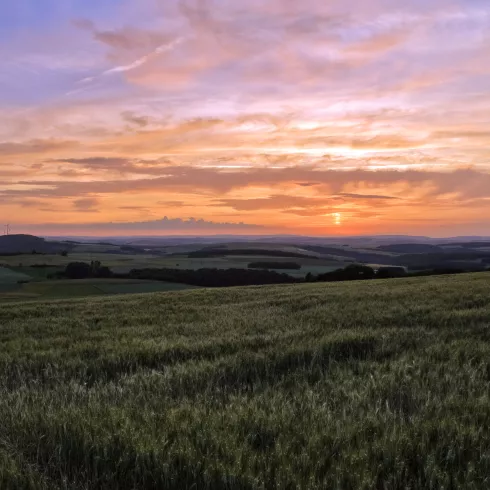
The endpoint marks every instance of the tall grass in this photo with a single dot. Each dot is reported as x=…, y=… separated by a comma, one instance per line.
x=370, y=385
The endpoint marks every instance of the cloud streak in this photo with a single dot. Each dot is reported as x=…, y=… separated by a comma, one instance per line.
x=153, y=227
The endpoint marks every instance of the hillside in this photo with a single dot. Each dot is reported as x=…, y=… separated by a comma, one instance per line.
x=22, y=244
x=382, y=384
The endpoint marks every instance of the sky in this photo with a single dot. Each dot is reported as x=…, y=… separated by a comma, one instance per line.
x=319, y=117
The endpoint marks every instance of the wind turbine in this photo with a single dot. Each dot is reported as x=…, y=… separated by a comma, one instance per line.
x=6, y=230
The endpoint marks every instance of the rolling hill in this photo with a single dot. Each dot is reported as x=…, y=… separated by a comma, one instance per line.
x=22, y=244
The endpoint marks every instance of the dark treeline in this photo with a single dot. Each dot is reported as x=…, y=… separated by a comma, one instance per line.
x=250, y=277
x=468, y=244
x=212, y=277
x=207, y=277
x=274, y=265
x=222, y=252
x=356, y=272
x=82, y=270
x=441, y=260
x=350, y=273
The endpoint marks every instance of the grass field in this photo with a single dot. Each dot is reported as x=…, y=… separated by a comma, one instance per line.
x=59, y=289
x=124, y=263
x=9, y=280
x=360, y=385
x=8, y=276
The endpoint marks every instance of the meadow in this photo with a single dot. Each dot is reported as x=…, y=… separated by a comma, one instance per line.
x=123, y=263
x=360, y=385
x=80, y=288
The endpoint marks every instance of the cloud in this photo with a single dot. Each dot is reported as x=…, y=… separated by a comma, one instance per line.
x=37, y=146
x=140, y=121
x=161, y=226
x=463, y=183
x=86, y=204
x=113, y=164
x=272, y=202
x=366, y=196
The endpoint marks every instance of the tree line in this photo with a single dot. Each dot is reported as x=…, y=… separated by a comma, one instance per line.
x=209, y=277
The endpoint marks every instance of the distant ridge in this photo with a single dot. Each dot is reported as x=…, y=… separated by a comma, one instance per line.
x=22, y=244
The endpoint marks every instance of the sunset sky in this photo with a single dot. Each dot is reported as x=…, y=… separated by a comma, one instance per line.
x=314, y=117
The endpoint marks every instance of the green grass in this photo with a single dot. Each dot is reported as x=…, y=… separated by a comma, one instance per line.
x=8, y=276
x=38, y=273
x=361, y=385
x=10, y=281
x=143, y=287
x=68, y=288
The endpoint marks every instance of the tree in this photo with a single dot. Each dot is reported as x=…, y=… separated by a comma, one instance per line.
x=78, y=270
x=390, y=272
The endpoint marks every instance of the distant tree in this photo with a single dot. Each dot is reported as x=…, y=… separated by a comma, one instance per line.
x=359, y=271
x=104, y=272
x=390, y=272
x=81, y=270
x=352, y=272
x=95, y=265
x=64, y=253
x=78, y=270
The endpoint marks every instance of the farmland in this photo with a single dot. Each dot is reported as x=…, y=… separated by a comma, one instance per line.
x=37, y=288
x=359, y=385
x=124, y=263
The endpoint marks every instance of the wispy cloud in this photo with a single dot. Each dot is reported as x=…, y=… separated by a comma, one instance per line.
x=164, y=225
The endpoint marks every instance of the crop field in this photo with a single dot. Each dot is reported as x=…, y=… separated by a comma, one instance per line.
x=59, y=289
x=361, y=385
x=10, y=276
x=9, y=279
x=27, y=260
x=120, y=263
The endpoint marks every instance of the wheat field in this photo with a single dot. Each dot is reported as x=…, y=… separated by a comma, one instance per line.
x=359, y=385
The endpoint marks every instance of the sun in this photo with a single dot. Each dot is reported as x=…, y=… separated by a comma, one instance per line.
x=337, y=218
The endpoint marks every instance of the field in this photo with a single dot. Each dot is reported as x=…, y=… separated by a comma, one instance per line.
x=359, y=385
x=120, y=263
x=9, y=279
x=124, y=263
x=59, y=289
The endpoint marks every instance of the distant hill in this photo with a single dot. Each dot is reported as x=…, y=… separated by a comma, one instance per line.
x=410, y=248
x=22, y=244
